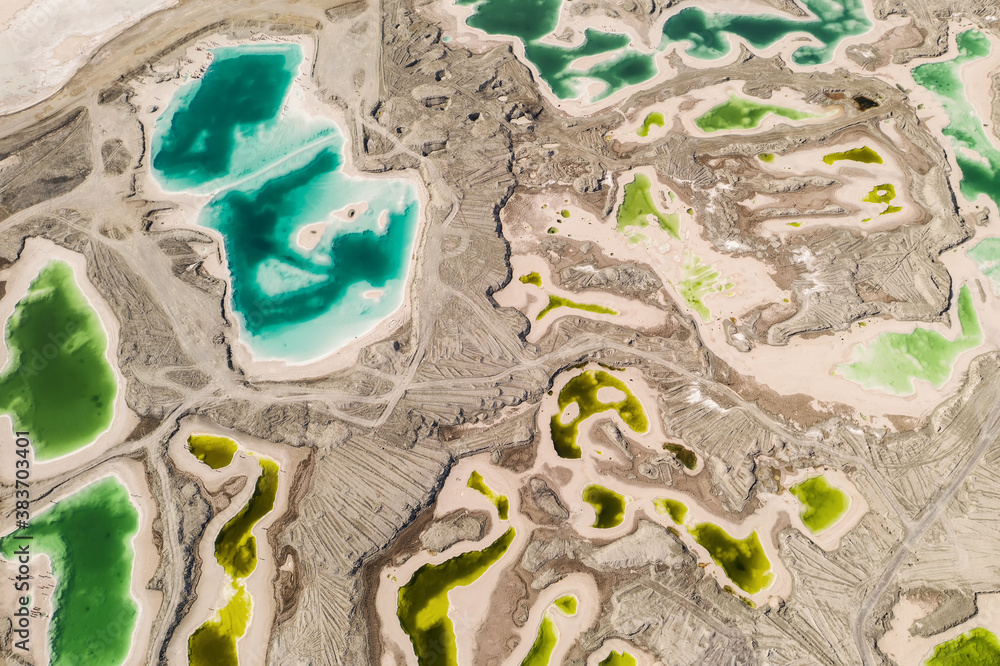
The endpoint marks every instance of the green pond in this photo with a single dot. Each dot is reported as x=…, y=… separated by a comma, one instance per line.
x=707, y=32
x=560, y=302
x=864, y=154
x=545, y=643
x=637, y=205
x=653, y=119
x=216, y=452
x=423, y=601
x=214, y=643
x=57, y=383
x=477, y=482
x=684, y=455
x=743, y=560
x=823, y=504
x=531, y=278
x=766, y=157
x=740, y=114
x=88, y=539
x=609, y=506
x=893, y=361
x=582, y=390
x=986, y=254
x=671, y=507
x=698, y=280
x=618, y=659
x=977, y=158
x=978, y=647
x=566, y=604
x=883, y=194
x=274, y=171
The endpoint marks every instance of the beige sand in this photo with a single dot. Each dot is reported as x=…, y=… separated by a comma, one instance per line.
x=303, y=100
x=467, y=610
x=36, y=254
x=131, y=474
x=910, y=650
x=213, y=581
x=44, y=42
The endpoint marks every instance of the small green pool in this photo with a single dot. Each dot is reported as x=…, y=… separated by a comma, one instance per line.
x=637, y=205
x=822, y=503
x=216, y=452
x=738, y=113
x=582, y=390
x=477, y=482
x=978, y=647
x=609, y=505
x=671, y=507
x=743, y=560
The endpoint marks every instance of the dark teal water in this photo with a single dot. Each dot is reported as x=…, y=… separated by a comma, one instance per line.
x=708, y=32
x=273, y=171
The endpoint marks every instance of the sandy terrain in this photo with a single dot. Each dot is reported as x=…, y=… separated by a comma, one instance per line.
x=44, y=42
x=212, y=581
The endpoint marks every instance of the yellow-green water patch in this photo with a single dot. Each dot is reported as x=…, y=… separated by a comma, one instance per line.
x=552, y=230
x=560, y=302
x=477, y=482
x=978, y=647
x=698, y=280
x=684, y=455
x=214, y=643
x=566, y=604
x=618, y=659
x=986, y=254
x=216, y=452
x=893, y=361
x=883, y=194
x=822, y=503
x=583, y=390
x=671, y=507
x=545, y=643
x=742, y=114
x=766, y=157
x=531, y=278
x=564, y=213
x=863, y=154
x=743, y=560
x=423, y=601
x=637, y=205
x=609, y=505
x=654, y=118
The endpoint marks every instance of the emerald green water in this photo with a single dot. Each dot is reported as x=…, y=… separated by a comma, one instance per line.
x=637, y=205
x=684, y=455
x=216, y=452
x=88, y=538
x=978, y=647
x=743, y=560
x=670, y=507
x=864, y=154
x=609, y=505
x=566, y=604
x=57, y=384
x=822, y=504
x=531, y=278
x=654, y=118
x=740, y=113
x=560, y=302
x=698, y=280
x=477, y=482
x=423, y=601
x=986, y=254
x=893, y=361
x=273, y=171
x=582, y=390
x=618, y=659
x=214, y=642
x=545, y=643
x=978, y=160
x=707, y=32
x=883, y=194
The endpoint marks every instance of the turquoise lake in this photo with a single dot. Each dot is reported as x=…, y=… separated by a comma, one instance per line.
x=705, y=34
x=271, y=172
